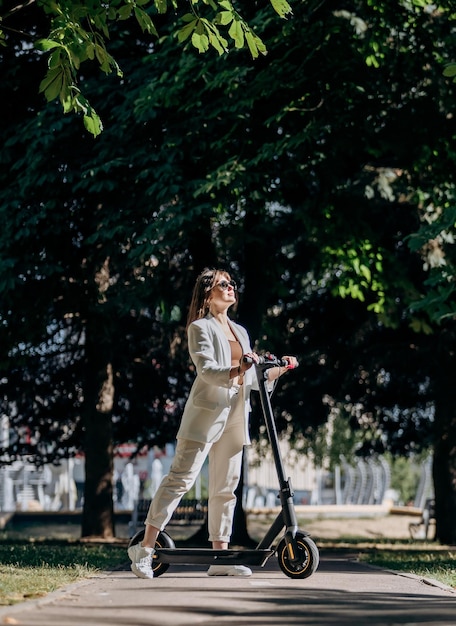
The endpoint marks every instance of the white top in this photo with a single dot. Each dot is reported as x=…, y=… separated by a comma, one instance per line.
x=208, y=405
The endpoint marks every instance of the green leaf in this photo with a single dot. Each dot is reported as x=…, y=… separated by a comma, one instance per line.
x=365, y=271
x=236, y=33
x=201, y=42
x=225, y=4
x=145, y=22
x=421, y=326
x=218, y=42
x=450, y=70
x=53, y=83
x=90, y=51
x=161, y=6
x=55, y=58
x=255, y=44
x=103, y=59
x=185, y=32
x=225, y=17
x=68, y=104
x=47, y=44
x=125, y=12
x=93, y=123
x=281, y=7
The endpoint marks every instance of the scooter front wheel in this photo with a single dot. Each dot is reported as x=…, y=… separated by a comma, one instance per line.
x=308, y=557
x=163, y=541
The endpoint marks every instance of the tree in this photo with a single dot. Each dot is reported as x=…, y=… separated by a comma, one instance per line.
x=74, y=346
x=371, y=186
x=78, y=31
x=81, y=340
x=303, y=172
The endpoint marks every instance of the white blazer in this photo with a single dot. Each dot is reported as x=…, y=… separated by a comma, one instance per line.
x=207, y=408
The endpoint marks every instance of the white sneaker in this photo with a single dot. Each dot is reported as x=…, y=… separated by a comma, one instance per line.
x=229, y=570
x=141, y=560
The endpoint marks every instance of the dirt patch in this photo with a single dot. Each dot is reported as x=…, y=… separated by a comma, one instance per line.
x=383, y=527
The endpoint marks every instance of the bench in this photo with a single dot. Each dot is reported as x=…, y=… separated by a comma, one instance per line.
x=420, y=530
x=189, y=512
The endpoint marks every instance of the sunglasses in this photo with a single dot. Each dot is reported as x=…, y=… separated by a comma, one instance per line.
x=224, y=284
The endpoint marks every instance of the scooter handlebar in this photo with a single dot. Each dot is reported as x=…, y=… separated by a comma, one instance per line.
x=268, y=360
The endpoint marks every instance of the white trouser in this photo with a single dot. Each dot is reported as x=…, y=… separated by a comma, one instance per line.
x=225, y=461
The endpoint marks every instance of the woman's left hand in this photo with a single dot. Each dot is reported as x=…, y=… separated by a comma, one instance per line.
x=292, y=362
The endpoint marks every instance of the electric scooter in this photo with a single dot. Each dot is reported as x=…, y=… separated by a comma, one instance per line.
x=297, y=553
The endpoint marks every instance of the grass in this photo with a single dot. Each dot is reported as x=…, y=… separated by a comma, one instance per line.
x=439, y=565
x=424, y=559
x=32, y=569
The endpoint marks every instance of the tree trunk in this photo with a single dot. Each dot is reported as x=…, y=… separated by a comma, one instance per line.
x=444, y=468
x=98, y=511
x=240, y=535
x=253, y=302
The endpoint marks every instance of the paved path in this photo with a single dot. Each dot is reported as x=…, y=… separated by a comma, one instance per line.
x=341, y=593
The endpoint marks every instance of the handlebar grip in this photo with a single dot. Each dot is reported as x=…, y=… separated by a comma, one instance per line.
x=270, y=360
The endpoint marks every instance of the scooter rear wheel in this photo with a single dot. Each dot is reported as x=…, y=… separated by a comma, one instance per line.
x=308, y=554
x=163, y=541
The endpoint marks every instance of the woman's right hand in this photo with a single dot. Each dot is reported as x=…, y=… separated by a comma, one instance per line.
x=243, y=365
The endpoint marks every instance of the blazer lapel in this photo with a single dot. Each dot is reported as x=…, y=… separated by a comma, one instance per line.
x=223, y=341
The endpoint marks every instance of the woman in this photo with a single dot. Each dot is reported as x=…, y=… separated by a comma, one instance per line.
x=214, y=421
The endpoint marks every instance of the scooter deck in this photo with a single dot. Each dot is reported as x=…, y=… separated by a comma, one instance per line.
x=208, y=556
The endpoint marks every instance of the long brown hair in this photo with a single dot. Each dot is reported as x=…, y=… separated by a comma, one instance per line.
x=206, y=281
